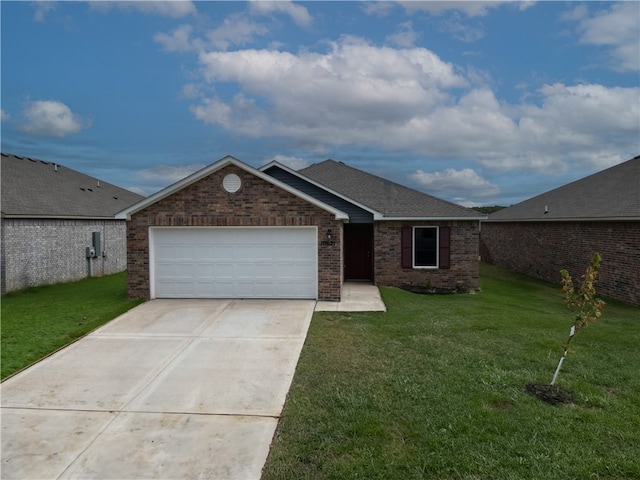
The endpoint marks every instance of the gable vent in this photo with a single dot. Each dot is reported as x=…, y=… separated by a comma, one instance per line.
x=231, y=183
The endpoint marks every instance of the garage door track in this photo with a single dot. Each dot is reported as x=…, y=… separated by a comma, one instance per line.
x=172, y=389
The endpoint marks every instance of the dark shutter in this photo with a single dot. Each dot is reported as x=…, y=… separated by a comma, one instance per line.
x=445, y=247
x=407, y=247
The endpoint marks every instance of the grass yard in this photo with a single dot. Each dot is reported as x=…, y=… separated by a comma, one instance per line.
x=38, y=321
x=434, y=388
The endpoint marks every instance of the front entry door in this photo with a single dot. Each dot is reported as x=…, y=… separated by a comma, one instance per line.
x=358, y=251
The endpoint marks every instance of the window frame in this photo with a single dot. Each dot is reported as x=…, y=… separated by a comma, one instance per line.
x=437, y=247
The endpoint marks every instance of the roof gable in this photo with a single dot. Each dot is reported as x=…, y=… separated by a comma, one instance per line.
x=612, y=194
x=35, y=188
x=390, y=199
x=206, y=171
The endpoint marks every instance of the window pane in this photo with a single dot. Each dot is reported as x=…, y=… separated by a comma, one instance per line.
x=426, y=247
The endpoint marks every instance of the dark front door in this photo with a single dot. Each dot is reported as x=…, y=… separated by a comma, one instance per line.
x=358, y=251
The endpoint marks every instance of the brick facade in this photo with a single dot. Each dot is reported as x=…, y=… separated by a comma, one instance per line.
x=45, y=251
x=256, y=203
x=542, y=249
x=465, y=269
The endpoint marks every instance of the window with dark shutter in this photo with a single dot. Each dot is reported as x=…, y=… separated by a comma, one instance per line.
x=406, y=244
x=445, y=247
x=418, y=247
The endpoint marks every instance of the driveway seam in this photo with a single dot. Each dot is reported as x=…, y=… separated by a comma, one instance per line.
x=89, y=444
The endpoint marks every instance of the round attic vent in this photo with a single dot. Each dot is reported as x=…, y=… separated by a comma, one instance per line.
x=231, y=183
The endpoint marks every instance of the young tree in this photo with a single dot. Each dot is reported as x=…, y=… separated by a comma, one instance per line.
x=583, y=300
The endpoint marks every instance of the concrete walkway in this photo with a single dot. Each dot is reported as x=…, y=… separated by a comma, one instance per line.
x=173, y=389
x=356, y=297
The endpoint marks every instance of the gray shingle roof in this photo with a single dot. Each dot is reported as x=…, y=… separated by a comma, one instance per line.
x=389, y=198
x=35, y=188
x=612, y=194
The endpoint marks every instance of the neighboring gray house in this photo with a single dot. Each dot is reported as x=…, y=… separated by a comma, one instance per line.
x=564, y=227
x=51, y=215
x=233, y=231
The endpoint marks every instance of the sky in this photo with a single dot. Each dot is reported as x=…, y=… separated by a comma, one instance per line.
x=478, y=103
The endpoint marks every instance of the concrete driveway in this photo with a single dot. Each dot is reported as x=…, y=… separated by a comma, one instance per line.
x=173, y=389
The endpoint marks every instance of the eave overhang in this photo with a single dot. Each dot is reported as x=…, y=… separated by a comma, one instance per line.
x=55, y=217
x=447, y=219
x=565, y=219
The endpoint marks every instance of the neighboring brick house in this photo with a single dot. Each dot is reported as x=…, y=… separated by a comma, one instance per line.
x=564, y=227
x=50, y=216
x=232, y=231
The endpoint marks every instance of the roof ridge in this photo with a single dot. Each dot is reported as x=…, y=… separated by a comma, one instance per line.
x=406, y=200
x=385, y=180
x=376, y=177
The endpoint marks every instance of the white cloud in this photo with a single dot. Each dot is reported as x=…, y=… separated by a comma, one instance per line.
x=617, y=28
x=190, y=91
x=167, y=174
x=140, y=191
x=295, y=163
x=377, y=8
x=406, y=36
x=41, y=8
x=169, y=8
x=235, y=30
x=452, y=181
x=577, y=13
x=178, y=41
x=469, y=8
x=582, y=121
x=51, y=118
x=213, y=111
x=525, y=4
x=355, y=83
x=460, y=30
x=410, y=100
x=454, y=15
x=4, y=116
x=299, y=14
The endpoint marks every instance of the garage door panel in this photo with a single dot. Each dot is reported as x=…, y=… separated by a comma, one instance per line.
x=263, y=252
x=226, y=262
x=264, y=270
x=176, y=288
x=219, y=253
x=201, y=251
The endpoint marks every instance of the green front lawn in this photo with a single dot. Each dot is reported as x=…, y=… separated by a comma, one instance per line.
x=38, y=321
x=434, y=388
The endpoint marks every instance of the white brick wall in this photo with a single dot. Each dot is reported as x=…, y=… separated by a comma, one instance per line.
x=39, y=252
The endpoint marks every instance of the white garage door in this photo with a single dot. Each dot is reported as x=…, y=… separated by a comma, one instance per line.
x=234, y=262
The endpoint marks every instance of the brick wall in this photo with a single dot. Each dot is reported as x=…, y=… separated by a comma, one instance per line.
x=41, y=251
x=257, y=203
x=463, y=274
x=542, y=249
